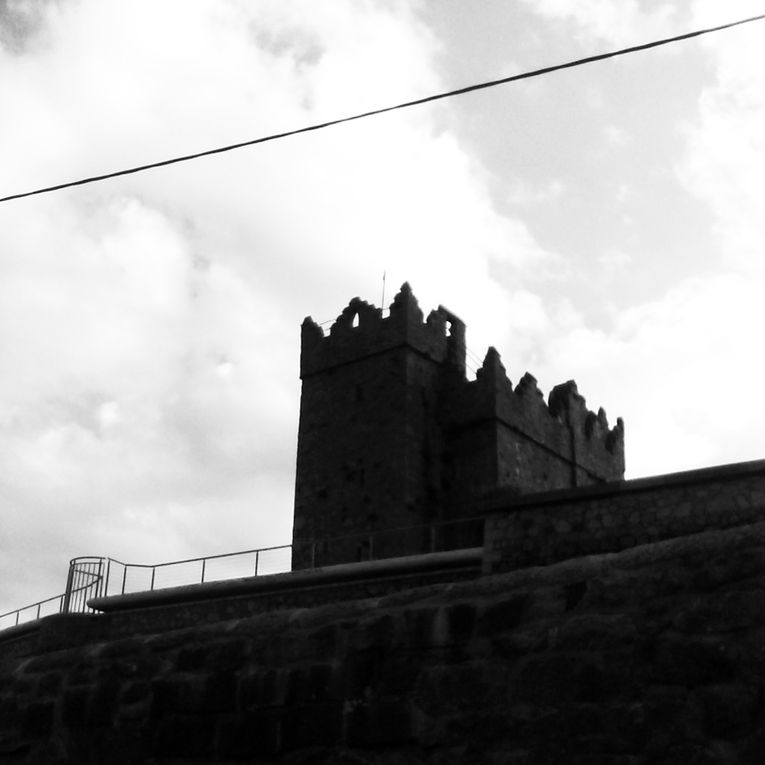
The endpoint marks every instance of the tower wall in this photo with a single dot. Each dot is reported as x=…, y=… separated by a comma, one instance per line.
x=369, y=444
x=392, y=435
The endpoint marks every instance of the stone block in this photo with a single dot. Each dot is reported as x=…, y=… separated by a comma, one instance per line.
x=50, y=683
x=263, y=688
x=228, y=656
x=503, y=615
x=220, y=693
x=185, y=736
x=379, y=632
x=672, y=718
x=321, y=683
x=135, y=691
x=729, y=709
x=460, y=618
x=192, y=658
x=103, y=702
x=37, y=720
x=452, y=689
x=312, y=725
x=399, y=673
x=171, y=695
x=251, y=735
x=556, y=678
x=361, y=670
x=383, y=722
x=691, y=661
x=594, y=631
x=323, y=642
x=117, y=649
x=74, y=705
x=574, y=594
x=421, y=627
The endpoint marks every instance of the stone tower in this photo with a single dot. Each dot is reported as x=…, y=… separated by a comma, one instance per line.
x=394, y=440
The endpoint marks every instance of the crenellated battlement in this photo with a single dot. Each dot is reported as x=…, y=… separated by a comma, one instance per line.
x=393, y=434
x=564, y=424
x=361, y=331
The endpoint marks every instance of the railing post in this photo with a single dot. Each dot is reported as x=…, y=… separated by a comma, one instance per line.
x=68, y=593
x=105, y=588
x=124, y=578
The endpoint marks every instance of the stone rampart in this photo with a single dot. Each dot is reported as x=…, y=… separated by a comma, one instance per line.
x=650, y=656
x=536, y=530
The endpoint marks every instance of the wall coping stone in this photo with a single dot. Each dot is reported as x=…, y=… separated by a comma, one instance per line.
x=375, y=569
x=498, y=501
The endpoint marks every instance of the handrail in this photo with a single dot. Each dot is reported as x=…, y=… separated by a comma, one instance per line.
x=84, y=581
x=254, y=569
x=17, y=612
x=203, y=557
x=94, y=576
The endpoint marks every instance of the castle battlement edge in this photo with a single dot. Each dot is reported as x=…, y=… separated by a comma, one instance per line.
x=392, y=434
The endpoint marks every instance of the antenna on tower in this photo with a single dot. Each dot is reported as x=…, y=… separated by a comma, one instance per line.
x=382, y=301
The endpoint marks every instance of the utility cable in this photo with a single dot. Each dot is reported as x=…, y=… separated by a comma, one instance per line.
x=383, y=110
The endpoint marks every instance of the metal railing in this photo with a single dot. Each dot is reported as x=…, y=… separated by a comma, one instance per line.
x=122, y=577
x=84, y=581
x=91, y=577
x=33, y=611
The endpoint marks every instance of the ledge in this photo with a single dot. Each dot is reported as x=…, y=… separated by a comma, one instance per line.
x=344, y=572
x=502, y=500
x=20, y=630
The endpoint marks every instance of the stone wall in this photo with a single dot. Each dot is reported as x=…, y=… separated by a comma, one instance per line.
x=653, y=655
x=368, y=446
x=543, y=529
x=392, y=434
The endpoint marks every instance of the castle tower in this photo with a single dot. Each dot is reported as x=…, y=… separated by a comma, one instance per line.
x=393, y=436
x=369, y=446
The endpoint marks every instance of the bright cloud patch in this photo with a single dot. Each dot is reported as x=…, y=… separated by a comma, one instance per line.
x=151, y=324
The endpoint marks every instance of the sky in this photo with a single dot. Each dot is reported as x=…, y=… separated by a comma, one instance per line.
x=604, y=224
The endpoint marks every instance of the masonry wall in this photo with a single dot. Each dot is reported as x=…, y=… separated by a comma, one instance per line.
x=369, y=449
x=392, y=434
x=652, y=655
x=539, y=530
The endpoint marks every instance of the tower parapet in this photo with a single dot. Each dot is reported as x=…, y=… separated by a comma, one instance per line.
x=501, y=437
x=392, y=434
x=360, y=331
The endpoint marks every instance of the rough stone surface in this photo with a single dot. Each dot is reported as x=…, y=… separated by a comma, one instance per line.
x=651, y=655
x=392, y=435
x=543, y=529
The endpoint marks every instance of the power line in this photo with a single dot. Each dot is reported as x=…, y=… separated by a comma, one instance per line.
x=384, y=109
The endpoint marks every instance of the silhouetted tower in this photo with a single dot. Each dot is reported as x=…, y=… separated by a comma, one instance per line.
x=393, y=436
x=369, y=445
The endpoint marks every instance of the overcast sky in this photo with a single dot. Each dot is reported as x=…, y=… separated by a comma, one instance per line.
x=604, y=223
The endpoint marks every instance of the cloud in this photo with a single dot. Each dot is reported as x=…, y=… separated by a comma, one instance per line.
x=624, y=23
x=616, y=136
x=724, y=163
x=152, y=323
x=681, y=367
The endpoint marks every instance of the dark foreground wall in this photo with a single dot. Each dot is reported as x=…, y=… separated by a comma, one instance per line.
x=653, y=655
